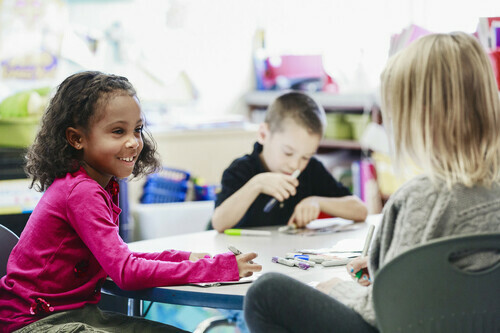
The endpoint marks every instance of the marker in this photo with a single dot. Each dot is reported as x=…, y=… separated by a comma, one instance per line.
x=283, y=261
x=310, y=263
x=368, y=241
x=293, y=262
x=271, y=203
x=245, y=232
x=337, y=262
x=290, y=228
x=237, y=252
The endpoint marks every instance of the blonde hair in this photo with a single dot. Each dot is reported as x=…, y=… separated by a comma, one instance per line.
x=440, y=99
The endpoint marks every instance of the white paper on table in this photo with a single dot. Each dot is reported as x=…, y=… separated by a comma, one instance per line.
x=248, y=279
x=329, y=222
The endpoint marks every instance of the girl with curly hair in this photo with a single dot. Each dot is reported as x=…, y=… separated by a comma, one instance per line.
x=91, y=134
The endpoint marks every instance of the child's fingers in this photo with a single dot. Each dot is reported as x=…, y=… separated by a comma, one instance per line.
x=246, y=257
x=292, y=180
x=354, y=266
x=358, y=263
x=255, y=267
x=289, y=188
x=365, y=280
x=245, y=269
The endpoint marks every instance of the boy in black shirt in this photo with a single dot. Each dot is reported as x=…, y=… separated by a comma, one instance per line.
x=287, y=141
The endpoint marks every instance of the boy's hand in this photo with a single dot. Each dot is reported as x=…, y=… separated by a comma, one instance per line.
x=305, y=211
x=356, y=265
x=194, y=256
x=277, y=185
x=244, y=268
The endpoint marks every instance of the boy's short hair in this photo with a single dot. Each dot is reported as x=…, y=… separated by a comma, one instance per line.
x=299, y=107
x=441, y=101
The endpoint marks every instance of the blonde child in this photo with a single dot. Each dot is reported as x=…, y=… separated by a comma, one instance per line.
x=287, y=141
x=440, y=99
x=91, y=134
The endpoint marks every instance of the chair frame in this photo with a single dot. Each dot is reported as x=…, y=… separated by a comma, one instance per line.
x=8, y=240
x=421, y=291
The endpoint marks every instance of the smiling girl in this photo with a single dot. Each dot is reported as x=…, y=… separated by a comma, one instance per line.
x=91, y=134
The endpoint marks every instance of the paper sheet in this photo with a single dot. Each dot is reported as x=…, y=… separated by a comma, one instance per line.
x=223, y=283
x=321, y=227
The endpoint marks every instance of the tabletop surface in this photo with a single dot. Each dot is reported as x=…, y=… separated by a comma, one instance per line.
x=278, y=244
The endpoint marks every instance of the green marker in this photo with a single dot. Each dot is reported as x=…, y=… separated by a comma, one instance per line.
x=245, y=232
x=368, y=241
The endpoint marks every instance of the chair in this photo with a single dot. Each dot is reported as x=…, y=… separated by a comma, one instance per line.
x=8, y=240
x=422, y=291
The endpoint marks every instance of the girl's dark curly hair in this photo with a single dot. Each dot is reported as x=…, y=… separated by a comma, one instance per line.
x=75, y=104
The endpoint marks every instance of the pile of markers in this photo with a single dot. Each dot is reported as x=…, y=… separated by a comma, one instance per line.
x=304, y=261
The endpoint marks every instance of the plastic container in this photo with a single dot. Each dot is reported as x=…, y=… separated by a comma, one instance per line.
x=170, y=185
x=337, y=128
x=206, y=192
x=358, y=123
x=169, y=219
x=18, y=132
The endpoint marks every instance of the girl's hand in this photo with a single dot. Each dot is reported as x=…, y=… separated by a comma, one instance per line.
x=244, y=267
x=327, y=285
x=194, y=256
x=356, y=265
x=277, y=185
x=305, y=211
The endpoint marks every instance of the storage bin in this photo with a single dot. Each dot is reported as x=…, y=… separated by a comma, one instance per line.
x=169, y=219
x=206, y=192
x=358, y=123
x=337, y=128
x=169, y=185
x=18, y=132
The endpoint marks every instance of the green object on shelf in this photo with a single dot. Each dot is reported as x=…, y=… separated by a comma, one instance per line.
x=18, y=132
x=358, y=123
x=25, y=103
x=337, y=128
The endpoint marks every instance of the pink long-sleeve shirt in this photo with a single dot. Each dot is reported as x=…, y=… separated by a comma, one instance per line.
x=71, y=244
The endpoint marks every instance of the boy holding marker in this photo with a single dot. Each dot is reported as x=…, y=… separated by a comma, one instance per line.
x=281, y=182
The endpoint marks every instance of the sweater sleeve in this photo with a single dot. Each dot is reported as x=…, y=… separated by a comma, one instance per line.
x=128, y=270
x=356, y=297
x=351, y=293
x=167, y=255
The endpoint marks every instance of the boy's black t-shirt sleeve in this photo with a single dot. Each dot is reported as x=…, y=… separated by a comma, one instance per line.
x=234, y=177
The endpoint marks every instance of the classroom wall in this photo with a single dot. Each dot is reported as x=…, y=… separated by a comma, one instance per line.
x=212, y=40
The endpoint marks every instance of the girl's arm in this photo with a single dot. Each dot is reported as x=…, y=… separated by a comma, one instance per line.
x=167, y=255
x=98, y=230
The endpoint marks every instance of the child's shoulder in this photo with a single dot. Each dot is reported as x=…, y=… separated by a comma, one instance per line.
x=418, y=186
x=247, y=162
x=77, y=180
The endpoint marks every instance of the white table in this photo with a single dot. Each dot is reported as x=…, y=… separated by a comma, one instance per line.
x=231, y=296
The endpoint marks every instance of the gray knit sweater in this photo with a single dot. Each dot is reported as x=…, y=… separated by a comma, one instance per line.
x=418, y=212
